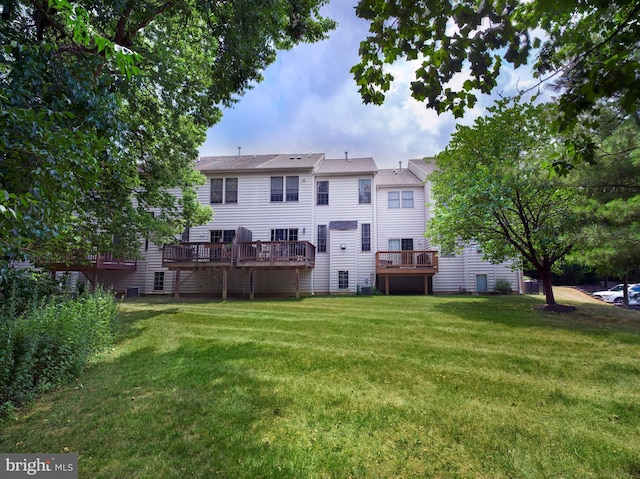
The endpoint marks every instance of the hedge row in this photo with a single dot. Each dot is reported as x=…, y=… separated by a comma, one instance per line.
x=48, y=345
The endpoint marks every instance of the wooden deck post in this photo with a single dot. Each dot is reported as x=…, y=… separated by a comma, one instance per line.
x=426, y=284
x=177, y=291
x=224, y=284
x=386, y=284
x=297, y=283
x=251, y=292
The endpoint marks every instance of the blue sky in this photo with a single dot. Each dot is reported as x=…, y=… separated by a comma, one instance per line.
x=308, y=102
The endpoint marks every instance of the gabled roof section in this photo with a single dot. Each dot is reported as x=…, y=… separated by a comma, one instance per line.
x=422, y=168
x=351, y=166
x=246, y=163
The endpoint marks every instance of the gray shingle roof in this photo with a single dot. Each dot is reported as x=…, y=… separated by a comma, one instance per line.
x=349, y=166
x=259, y=162
x=396, y=177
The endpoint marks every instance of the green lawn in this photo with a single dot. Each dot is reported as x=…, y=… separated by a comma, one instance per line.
x=352, y=387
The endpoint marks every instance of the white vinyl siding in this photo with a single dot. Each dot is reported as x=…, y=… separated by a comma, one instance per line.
x=399, y=223
x=344, y=206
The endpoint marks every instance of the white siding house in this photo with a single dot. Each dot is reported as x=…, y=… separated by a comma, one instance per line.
x=304, y=224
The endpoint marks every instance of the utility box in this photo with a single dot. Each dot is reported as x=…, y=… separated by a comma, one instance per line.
x=133, y=292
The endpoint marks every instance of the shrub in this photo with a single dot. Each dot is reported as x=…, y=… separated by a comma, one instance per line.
x=49, y=345
x=503, y=286
x=22, y=289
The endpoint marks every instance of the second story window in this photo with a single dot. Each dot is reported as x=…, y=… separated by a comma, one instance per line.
x=277, y=190
x=407, y=199
x=323, y=193
x=224, y=190
x=292, y=188
x=278, y=193
x=393, y=199
x=231, y=190
x=322, y=238
x=364, y=191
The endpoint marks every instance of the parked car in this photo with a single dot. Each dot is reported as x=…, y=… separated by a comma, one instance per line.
x=602, y=294
x=617, y=297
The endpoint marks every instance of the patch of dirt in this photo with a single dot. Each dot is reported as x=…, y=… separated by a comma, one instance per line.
x=556, y=308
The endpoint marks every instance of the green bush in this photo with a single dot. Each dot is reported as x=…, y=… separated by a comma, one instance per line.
x=49, y=345
x=503, y=286
x=23, y=289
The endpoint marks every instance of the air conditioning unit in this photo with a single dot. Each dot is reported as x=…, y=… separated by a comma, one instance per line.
x=133, y=292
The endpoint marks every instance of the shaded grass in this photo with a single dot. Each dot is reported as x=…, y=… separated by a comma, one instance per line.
x=478, y=387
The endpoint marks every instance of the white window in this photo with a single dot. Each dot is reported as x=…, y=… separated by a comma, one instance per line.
x=158, y=281
x=278, y=193
x=366, y=237
x=394, y=199
x=224, y=190
x=322, y=239
x=323, y=193
x=343, y=280
x=284, y=234
x=364, y=191
x=407, y=199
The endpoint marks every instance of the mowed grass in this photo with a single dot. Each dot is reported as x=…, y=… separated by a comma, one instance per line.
x=352, y=387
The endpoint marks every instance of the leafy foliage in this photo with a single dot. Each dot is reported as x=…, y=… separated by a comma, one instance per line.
x=25, y=289
x=491, y=188
x=104, y=105
x=587, y=48
x=503, y=286
x=609, y=205
x=50, y=344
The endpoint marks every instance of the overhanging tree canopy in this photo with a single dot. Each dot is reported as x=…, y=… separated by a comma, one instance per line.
x=587, y=49
x=609, y=205
x=104, y=104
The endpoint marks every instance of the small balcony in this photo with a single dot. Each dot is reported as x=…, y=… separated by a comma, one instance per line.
x=414, y=262
x=250, y=254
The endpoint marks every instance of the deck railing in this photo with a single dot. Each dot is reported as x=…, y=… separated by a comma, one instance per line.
x=80, y=261
x=242, y=253
x=414, y=259
x=197, y=253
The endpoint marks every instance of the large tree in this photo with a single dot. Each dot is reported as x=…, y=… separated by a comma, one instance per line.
x=609, y=205
x=490, y=188
x=587, y=49
x=103, y=105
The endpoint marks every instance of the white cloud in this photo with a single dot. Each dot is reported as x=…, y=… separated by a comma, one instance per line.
x=309, y=101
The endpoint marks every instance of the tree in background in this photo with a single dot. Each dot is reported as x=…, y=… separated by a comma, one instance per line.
x=490, y=188
x=103, y=105
x=587, y=49
x=609, y=205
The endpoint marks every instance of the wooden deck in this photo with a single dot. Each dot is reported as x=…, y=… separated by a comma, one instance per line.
x=407, y=263
x=251, y=255
x=254, y=254
x=93, y=262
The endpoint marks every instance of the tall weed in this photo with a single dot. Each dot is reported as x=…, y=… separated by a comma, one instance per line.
x=49, y=345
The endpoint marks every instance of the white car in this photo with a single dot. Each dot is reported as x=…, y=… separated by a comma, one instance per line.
x=606, y=293
x=616, y=295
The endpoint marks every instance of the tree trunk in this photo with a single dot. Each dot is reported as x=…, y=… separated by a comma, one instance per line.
x=545, y=275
